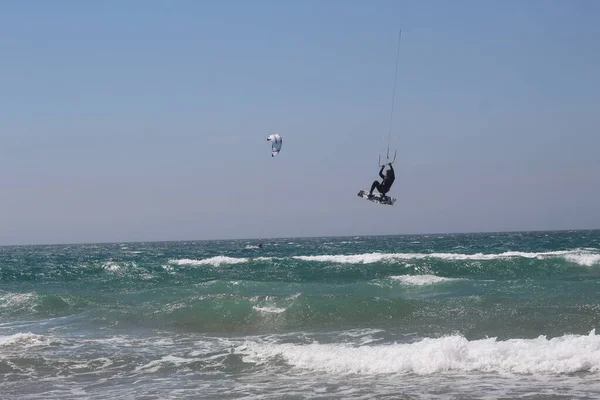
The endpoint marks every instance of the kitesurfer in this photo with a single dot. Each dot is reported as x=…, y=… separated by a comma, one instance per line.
x=386, y=182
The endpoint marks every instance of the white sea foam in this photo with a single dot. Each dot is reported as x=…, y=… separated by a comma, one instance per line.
x=263, y=258
x=214, y=261
x=12, y=301
x=584, y=258
x=96, y=364
x=580, y=256
x=420, y=280
x=111, y=266
x=269, y=309
x=156, y=365
x=368, y=258
x=21, y=340
x=359, y=336
x=562, y=355
x=267, y=305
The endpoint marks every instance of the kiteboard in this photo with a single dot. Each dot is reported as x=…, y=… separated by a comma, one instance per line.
x=376, y=198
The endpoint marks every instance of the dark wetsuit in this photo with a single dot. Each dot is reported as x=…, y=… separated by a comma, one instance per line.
x=386, y=182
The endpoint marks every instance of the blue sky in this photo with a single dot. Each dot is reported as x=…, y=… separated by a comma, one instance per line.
x=147, y=120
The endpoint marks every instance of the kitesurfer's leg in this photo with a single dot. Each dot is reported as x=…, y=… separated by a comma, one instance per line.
x=383, y=190
x=373, y=186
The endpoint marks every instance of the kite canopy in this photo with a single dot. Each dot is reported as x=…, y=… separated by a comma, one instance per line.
x=276, y=143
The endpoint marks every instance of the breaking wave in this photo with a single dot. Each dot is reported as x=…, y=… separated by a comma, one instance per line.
x=584, y=257
x=561, y=355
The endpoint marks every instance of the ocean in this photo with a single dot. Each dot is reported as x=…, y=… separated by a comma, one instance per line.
x=447, y=316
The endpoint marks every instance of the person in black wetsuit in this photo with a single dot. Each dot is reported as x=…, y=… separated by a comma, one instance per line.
x=386, y=182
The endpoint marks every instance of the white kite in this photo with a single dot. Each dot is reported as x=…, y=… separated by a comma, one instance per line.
x=276, y=143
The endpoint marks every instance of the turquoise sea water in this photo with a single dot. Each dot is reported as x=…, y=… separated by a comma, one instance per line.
x=506, y=315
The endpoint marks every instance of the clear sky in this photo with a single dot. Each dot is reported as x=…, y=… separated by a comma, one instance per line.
x=147, y=120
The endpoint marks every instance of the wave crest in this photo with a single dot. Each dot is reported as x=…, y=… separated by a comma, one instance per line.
x=562, y=355
x=213, y=261
x=585, y=257
x=420, y=280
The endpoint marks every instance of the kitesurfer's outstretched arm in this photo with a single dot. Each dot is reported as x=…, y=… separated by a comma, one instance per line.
x=381, y=172
x=391, y=171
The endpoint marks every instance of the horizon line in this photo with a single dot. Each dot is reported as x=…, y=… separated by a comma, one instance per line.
x=303, y=237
